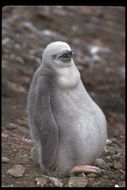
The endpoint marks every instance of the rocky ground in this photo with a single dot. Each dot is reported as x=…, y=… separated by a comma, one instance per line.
x=97, y=35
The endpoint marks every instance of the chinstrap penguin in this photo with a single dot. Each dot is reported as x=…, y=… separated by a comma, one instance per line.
x=67, y=127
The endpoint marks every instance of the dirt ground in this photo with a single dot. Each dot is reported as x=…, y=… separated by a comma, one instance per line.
x=97, y=35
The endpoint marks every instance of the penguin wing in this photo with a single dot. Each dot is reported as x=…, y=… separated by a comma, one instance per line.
x=45, y=122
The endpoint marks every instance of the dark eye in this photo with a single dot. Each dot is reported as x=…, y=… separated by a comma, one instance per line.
x=54, y=56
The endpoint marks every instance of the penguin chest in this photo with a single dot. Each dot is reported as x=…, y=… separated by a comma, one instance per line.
x=80, y=118
x=81, y=124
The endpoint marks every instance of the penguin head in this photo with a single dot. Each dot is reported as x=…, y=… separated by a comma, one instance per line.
x=58, y=54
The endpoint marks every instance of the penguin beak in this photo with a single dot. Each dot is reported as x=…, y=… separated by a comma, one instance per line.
x=67, y=54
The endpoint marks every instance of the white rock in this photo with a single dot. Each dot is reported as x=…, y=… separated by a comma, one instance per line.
x=117, y=185
x=5, y=41
x=56, y=182
x=41, y=181
x=77, y=182
x=108, y=141
x=5, y=159
x=4, y=135
x=16, y=171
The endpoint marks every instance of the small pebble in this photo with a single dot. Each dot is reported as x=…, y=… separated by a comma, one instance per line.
x=106, y=150
x=122, y=171
x=116, y=185
x=114, y=140
x=108, y=142
x=5, y=159
x=56, y=182
x=116, y=156
x=83, y=175
x=4, y=135
x=77, y=182
x=117, y=165
x=101, y=163
x=108, y=157
x=113, y=152
x=11, y=126
x=92, y=175
x=41, y=181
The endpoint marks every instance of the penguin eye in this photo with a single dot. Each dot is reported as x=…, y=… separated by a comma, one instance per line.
x=54, y=56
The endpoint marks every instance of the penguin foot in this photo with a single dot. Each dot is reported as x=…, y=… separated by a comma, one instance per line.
x=85, y=169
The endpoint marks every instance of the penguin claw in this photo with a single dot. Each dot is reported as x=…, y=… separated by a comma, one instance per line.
x=86, y=169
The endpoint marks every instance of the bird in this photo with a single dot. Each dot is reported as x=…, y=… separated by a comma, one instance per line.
x=68, y=129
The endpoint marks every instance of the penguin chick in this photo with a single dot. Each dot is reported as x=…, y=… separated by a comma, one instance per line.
x=67, y=127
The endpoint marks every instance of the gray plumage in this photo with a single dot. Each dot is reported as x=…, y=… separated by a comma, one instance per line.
x=66, y=126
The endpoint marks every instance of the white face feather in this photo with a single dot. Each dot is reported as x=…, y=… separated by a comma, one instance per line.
x=68, y=74
x=55, y=49
x=68, y=77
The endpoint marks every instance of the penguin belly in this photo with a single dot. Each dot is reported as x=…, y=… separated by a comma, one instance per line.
x=82, y=127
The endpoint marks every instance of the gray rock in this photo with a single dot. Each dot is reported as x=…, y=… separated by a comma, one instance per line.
x=117, y=165
x=101, y=163
x=56, y=182
x=116, y=156
x=77, y=182
x=92, y=175
x=109, y=158
x=5, y=159
x=83, y=175
x=41, y=181
x=108, y=142
x=16, y=171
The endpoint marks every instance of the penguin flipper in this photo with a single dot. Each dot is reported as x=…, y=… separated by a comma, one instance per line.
x=45, y=123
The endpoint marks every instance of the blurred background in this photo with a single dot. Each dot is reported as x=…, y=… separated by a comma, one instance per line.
x=95, y=33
